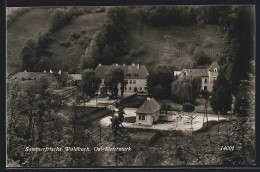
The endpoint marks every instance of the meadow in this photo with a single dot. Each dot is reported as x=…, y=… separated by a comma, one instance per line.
x=26, y=27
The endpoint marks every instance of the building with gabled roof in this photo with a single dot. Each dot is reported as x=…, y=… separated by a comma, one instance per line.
x=135, y=76
x=148, y=113
x=207, y=75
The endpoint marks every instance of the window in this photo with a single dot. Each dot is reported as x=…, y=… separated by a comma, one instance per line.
x=130, y=88
x=133, y=81
x=184, y=74
x=215, y=69
x=136, y=75
x=140, y=88
x=130, y=81
x=205, y=80
x=205, y=88
x=142, y=117
x=125, y=88
x=145, y=88
x=128, y=74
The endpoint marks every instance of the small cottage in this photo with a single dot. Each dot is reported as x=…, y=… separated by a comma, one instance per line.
x=148, y=113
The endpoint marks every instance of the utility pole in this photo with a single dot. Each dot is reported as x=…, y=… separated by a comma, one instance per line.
x=99, y=127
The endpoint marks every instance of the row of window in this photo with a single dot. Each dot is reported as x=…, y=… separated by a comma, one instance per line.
x=130, y=88
x=129, y=75
x=141, y=117
x=130, y=82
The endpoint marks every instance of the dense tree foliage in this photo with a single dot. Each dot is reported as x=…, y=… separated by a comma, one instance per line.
x=238, y=30
x=201, y=58
x=108, y=43
x=61, y=17
x=113, y=78
x=36, y=56
x=238, y=38
x=90, y=83
x=159, y=81
x=185, y=15
x=221, y=95
x=186, y=89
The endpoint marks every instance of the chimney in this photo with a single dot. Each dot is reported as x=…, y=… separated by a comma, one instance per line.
x=44, y=71
x=116, y=64
x=99, y=64
x=123, y=64
x=60, y=72
x=133, y=64
x=138, y=66
x=51, y=71
x=148, y=98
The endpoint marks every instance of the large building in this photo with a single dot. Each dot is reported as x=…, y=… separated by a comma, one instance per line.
x=207, y=75
x=135, y=76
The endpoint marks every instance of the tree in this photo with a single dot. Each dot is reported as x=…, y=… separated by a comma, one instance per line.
x=221, y=95
x=13, y=90
x=90, y=83
x=186, y=89
x=117, y=121
x=28, y=55
x=158, y=91
x=237, y=28
x=200, y=58
x=43, y=64
x=113, y=78
x=44, y=43
x=109, y=42
x=159, y=81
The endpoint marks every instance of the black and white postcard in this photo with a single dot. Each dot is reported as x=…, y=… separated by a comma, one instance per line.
x=130, y=86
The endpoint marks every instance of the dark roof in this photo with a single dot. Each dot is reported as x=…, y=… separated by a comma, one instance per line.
x=34, y=76
x=135, y=73
x=213, y=66
x=149, y=107
x=196, y=72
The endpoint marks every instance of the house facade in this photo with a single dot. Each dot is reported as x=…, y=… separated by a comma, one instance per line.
x=135, y=76
x=59, y=82
x=148, y=113
x=207, y=75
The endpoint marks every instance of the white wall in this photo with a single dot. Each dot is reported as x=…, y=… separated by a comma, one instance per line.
x=148, y=120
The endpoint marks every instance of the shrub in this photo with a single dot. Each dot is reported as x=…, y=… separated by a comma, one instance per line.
x=75, y=36
x=207, y=42
x=188, y=107
x=65, y=43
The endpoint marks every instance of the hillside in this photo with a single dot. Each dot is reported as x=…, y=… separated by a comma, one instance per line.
x=85, y=26
x=174, y=43
x=24, y=28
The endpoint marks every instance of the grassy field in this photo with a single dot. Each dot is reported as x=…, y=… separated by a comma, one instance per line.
x=174, y=44
x=86, y=26
x=24, y=28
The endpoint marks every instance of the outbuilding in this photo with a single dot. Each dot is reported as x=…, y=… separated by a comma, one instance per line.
x=148, y=113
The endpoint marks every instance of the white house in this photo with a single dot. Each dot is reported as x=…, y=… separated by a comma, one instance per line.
x=148, y=113
x=207, y=75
